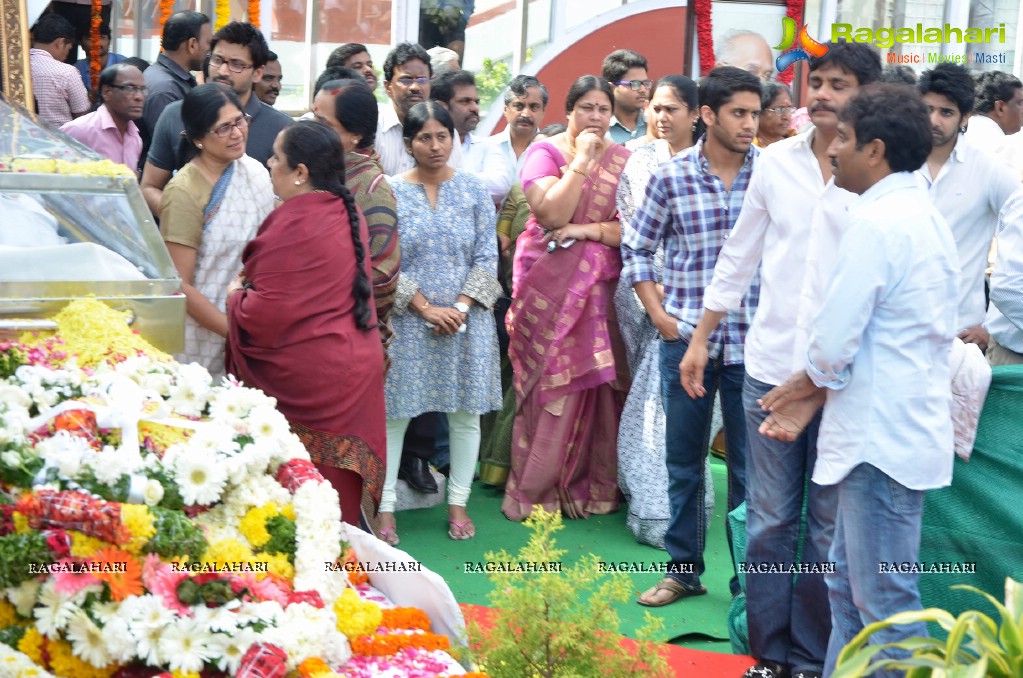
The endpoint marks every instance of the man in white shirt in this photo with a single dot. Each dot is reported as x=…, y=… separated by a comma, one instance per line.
x=407, y=74
x=879, y=350
x=791, y=222
x=525, y=101
x=997, y=113
x=967, y=185
x=1005, y=315
x=456, y=91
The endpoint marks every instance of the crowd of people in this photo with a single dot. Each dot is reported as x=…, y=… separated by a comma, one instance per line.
x=573, y=298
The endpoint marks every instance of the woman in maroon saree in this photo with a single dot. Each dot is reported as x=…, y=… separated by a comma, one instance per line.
x=571, y=377
x=302, y=323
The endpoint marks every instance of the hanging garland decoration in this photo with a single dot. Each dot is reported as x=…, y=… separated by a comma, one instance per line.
x=166, y=9
x=254, y=13
x=705, y=33
x=793, y=10
x=222, y=11
x=94, y=47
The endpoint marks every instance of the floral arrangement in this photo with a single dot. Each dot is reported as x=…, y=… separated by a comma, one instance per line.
x=221, y=14
x=90, y=168
x=153, y=523
x=95, y=19
x=253, y=12
x=166, y=9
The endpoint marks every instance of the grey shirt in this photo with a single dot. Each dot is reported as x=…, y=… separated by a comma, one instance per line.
x=167, y=82
x=267, y=122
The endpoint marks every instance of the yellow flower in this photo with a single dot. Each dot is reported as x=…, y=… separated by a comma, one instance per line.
x=84, y=546
x=140, y=522
x=8, y=615
x=227, y=551
x=184, y=674
x=31, y=645
x=288, y=511
x=20, y=523
x=64, y=663
x=356, y=617
x=278, y=564
x=253, y=525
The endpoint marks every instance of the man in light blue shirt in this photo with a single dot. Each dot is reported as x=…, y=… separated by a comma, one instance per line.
x=879, y=349
x=627, y=72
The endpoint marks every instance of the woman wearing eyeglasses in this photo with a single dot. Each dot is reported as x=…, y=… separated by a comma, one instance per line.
x=571, y=375
x=775, y=114
x=209, y=211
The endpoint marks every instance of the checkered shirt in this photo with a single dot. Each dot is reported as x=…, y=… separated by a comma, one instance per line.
x=57, y=87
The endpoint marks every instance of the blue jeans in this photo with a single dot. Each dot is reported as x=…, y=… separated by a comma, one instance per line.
x=878, y=522
x=687, y=439
x=787, y=617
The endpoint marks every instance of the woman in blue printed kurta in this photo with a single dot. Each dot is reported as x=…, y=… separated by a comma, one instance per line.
x=446, y=226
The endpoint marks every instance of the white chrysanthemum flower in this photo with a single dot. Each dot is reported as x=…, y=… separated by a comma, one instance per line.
x=120, y=643
x=265, y=422
x=64, y=452
x=14, y=395
x=145, y=612
x=87, y=640
x=228, y=649
x=53, y=611
x=185, y=645
x=108, y=466
x=200, y=479
x=148, y=644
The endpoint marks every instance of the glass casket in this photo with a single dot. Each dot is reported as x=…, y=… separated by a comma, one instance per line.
x=73, y=224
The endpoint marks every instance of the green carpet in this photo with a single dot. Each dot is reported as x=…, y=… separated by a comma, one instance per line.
x=701, y=620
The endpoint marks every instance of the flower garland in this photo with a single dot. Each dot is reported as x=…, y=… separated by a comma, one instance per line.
x=166, y=9
x=94, y=47
x=702, y=9
x=253, y=12
x=222, y=14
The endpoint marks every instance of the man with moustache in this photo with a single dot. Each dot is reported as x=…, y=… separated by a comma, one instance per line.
x=238, y=53
x=456, y=91
x=355, y=56
x=879, y=349
x=407, y=74
x=110, y=130
x=627, y=72
x=524, y=103
x=691, y=205
x=791, y=222
x=268, y=87
x=967, y=185
x=997, y=115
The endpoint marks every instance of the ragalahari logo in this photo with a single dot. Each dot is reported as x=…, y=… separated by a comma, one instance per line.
x=800, y=47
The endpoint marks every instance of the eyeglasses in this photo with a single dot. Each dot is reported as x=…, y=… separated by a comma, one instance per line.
x=781, y=110
x=635, y=85
x=241, y=123
x=132, y=89
x=407, y=81
x=234, y=65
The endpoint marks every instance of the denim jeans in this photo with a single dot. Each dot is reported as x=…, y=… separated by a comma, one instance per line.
x=787, y=617
x=687, y=439
x=878, y=522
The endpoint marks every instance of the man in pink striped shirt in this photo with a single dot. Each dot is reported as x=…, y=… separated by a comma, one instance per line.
x=111, y=130
x=60, y=94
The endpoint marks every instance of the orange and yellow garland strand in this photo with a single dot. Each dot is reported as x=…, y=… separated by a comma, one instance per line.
x=166, y=9
x=94, y=65
x=254, y=12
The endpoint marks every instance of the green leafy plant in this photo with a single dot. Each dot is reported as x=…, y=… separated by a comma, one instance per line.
x=976, y=647
x=491, y=79
x=561, y=623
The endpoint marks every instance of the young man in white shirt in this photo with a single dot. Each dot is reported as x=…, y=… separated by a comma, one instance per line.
x=791, y=222
x=879, y=350
x=967, y=185
x=1005, y=315
x=997, y=115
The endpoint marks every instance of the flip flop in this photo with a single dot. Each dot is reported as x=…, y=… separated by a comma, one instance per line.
x=677, y=589
x=463, y=533
x=390, y=535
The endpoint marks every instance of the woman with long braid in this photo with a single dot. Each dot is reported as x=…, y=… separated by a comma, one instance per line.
x=303, y=327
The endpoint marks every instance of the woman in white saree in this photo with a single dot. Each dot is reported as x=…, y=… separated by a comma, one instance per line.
x=210, y=210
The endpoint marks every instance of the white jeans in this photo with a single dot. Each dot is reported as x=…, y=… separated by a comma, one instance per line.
x=464, y=440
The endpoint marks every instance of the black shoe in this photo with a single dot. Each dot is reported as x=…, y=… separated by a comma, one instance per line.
x=765, y=670
x=416, y=472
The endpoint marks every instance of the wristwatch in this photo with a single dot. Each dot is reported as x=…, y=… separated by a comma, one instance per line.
x=461, y=307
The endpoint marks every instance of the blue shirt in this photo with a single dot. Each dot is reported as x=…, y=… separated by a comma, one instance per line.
x=689, y=210
x=619, y=133
x=83, y=67
x=881, y=341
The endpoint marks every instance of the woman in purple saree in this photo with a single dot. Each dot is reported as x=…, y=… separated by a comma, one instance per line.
x=571, y=376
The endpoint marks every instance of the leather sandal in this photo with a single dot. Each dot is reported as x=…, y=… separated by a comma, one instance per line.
x=678, y=592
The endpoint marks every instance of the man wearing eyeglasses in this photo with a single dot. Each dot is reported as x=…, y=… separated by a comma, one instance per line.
x=110, y=130
x=407, y=74
x=626, y=71
x=238, y=55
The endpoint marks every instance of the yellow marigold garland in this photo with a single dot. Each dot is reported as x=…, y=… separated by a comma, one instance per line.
x=8, y=614
x=278, y=564
x=141, y=523
x=20, y=522
x=31, y=645
x=253, y=524
x=63, y=662
x=356, y=617
x=222, y=14
x=84, y=546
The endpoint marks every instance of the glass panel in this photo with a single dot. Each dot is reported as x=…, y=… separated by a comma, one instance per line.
x=289, y=40
x=365, y=21
x=126, y=33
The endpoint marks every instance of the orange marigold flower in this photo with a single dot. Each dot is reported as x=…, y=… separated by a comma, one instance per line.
x=405, y=618
x=384, y=644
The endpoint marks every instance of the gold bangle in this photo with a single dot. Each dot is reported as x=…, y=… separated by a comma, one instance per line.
x=578, y=171
x=602, y=232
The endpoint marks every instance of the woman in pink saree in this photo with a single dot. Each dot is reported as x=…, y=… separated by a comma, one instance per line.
x=571, y=376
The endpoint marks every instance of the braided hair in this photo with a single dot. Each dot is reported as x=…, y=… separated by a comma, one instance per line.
x=318, y=147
